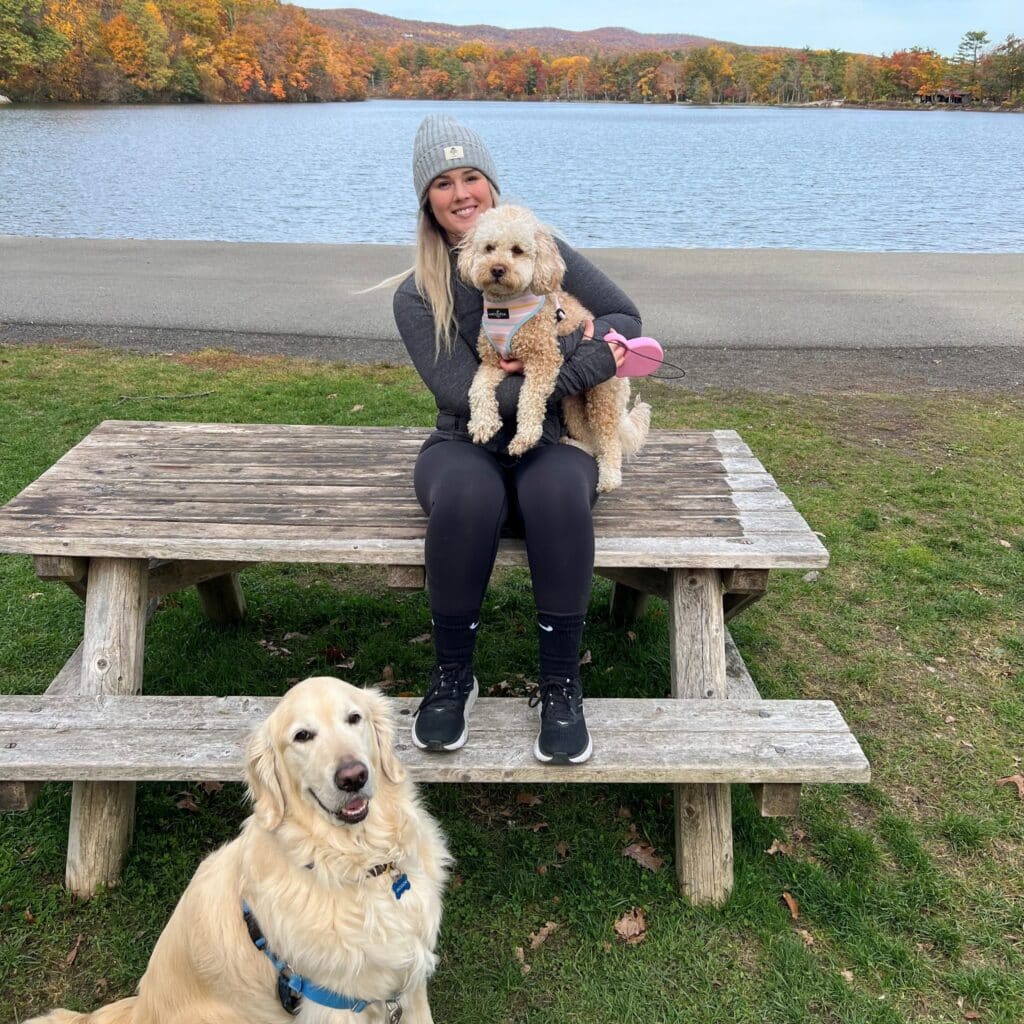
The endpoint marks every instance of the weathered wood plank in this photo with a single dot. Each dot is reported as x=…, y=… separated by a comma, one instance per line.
x=204, y=738
x=703, y=812
x=779, y=800
x=648, y=581
x=103, y=813
x=170, y=577
x=64, y=570
x=406, y=577
x=222, y=599
x=177, y=541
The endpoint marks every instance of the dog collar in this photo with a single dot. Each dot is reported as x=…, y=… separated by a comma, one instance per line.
x=293, y=987
x=501, y=320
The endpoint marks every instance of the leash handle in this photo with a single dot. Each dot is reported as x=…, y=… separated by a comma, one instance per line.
x=644, y=357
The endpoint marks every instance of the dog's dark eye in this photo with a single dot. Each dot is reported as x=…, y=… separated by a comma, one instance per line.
x=516, y=250
x=488, y=248
x=303, y=736
x=355, y=718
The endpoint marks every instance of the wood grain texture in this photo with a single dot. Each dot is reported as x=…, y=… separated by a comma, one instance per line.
x=703, y=813
x=103, y=814
x=292, y=493
x=222, y=599
x=635, y=740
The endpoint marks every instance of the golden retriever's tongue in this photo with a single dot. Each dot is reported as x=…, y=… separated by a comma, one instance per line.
x=354, y=810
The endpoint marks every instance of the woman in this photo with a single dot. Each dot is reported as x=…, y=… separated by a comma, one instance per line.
x=468, y=491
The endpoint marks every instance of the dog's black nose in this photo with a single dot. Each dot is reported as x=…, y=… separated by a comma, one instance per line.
x=497, y=273
x=351, y=776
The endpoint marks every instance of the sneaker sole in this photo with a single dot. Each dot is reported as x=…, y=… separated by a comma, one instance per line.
x=583, y=755
x=436, y=745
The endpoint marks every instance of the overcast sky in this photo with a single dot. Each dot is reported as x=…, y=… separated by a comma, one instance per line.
x=864, y=26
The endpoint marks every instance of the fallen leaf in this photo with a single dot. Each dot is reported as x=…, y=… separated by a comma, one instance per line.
x=950, y=719
x=70, y=958
x=972, y=1015
x=644, y=855
x=347, y=663
x=30, y=918
x=630, y=635
x=387, y=676
x=421, y=639
x=356, y=408
x=528, y=799
x=632, y=926
x=294, y=636
x=212, y=787
x=777, y=847
x=333, y=653
x=794, y=907
x=521, y=957
x=537, y=826
x=940, y=661
x=624, y=812
x=186, y=802
x=500, y=689
x=562, y=849
x=806, y=936
x=538, y=938
x=585, y=657
x=100, y=988
x=275, y=650
x=1013, y=780
x=606, y=946
x=847, y=976
x=542, y=869
x=1005, y=544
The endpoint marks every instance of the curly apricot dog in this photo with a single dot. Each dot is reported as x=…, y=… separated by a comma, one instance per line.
x=514, y=261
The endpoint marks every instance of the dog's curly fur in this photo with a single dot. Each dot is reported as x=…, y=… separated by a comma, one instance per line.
x=307, y=864
x=509, y=252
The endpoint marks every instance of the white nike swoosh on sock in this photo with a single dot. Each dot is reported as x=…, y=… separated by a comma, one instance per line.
x=475, y=624
x=547, y=629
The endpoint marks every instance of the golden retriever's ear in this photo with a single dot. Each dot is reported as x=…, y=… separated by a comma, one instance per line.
x=384, y=733
x=549, y=267
x=264, y=785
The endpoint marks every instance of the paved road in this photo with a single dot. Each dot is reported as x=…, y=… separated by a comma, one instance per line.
x=754, y=318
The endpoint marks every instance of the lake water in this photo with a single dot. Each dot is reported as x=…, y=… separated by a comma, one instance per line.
x=605, y=175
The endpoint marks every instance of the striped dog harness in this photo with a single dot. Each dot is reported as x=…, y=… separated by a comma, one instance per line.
x=502, y=320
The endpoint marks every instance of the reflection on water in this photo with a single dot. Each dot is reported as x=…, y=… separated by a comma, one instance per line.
x=605, y=175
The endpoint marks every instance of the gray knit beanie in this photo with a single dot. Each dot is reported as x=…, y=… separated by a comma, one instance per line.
x=443, y=144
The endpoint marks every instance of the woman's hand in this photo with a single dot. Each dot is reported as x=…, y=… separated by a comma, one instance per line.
x=618, y=351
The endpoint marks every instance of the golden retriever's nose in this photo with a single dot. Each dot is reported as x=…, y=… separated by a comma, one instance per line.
x=351, y=776
x=497, y=273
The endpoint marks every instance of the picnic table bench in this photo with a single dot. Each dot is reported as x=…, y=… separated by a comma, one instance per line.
x=138, y=510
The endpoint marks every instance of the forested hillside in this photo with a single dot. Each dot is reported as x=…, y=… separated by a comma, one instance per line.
x=262, y=50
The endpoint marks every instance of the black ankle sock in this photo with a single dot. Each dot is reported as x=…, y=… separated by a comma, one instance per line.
x=455, y=638
x=559, y=637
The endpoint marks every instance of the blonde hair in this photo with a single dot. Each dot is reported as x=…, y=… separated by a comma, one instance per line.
x=432, y=272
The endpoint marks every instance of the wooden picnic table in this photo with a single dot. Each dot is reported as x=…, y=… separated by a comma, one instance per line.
x=137, y=510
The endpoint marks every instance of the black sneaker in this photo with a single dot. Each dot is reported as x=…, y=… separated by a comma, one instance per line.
x=563, y=736
x=442, y=719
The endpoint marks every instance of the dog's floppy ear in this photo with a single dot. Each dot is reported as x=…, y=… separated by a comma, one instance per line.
x=464, y=262
x=264, y=785
x=384, y=733
x=549, y=267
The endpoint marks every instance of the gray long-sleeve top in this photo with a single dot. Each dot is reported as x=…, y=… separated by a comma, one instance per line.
x=450, y=374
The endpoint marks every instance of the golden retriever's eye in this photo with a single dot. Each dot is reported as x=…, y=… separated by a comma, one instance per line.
x=355, y=718
x=303, y=736
x=517, y=250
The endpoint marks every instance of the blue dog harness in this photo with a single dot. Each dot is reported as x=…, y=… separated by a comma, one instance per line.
x=293, y=987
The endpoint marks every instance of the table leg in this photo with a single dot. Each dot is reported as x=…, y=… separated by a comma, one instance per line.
x=222, y=599
x=103, y=813
x=704, y=857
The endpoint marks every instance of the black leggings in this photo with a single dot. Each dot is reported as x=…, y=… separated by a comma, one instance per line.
x=470, y=494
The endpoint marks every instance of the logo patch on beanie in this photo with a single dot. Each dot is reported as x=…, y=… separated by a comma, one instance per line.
x=453, y=153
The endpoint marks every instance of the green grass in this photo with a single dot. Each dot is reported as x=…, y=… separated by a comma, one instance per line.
x=910, y=890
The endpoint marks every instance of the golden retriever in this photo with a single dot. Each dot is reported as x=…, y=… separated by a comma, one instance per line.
x=340, y=867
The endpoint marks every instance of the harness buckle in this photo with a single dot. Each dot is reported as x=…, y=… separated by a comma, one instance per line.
x=393, y=1009
x=289, y=994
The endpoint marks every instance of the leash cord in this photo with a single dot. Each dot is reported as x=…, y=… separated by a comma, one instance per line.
x=662, y=362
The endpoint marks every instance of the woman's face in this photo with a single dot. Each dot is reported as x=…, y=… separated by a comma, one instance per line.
x=457, y=198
